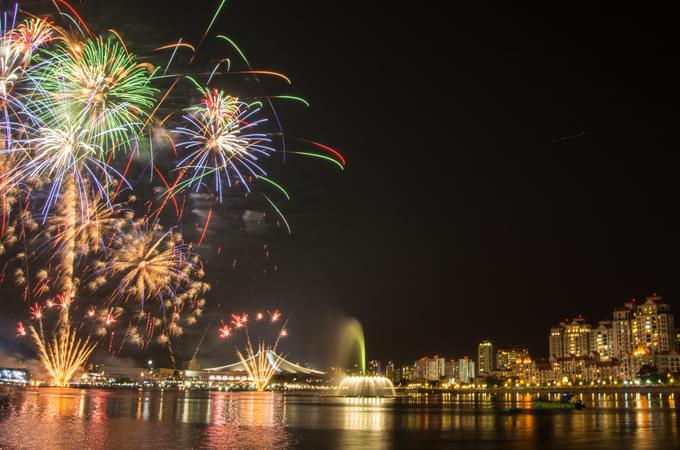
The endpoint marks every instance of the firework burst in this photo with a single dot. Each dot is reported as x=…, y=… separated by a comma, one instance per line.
x=157, y=283
x=219, y=136
x=101, y=86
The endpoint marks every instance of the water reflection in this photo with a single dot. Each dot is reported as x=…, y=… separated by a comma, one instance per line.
x=53, y=418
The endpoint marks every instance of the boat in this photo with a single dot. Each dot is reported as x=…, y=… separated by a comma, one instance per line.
x=563, y=403
x=511, y=410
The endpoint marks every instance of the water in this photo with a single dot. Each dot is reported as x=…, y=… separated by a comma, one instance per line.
x=82, y=419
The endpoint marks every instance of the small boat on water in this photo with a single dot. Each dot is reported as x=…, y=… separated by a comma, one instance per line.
x=511, y=410
x=563, y=403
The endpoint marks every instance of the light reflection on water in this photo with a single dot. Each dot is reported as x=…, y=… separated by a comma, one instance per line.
x=80, y=419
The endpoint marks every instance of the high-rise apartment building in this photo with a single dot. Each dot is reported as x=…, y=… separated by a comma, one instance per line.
x=601, y=336
x=430, y=369
x=576, y=337
x=485, y=362
x=652, y=326
x=622, y=336
x=570, y=338
x=507, y=356
x=638, y=334
x=556, y=342
x=466, y=369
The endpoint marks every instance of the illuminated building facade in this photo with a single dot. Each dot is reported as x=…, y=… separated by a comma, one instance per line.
x=485, y=358
x=601, y=337
x=507, y=356
x=576, y=339
x=652, y=326
x=430, y=369
x=622, y=337
x=466, y=370
x=556, y=340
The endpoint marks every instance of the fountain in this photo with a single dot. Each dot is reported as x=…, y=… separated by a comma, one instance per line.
x=366, y=386
x=361, y=385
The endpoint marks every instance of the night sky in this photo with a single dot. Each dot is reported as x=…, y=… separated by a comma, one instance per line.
x=502, y=175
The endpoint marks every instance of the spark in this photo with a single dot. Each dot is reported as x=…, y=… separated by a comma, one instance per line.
x=224, y=331
x=36, y=311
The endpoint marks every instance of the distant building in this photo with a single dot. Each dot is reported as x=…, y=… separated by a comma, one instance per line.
x=451, y=369
x=601, y=341
x=652, y=326
x=644, y=333
x=556, y=342
x=622, y=335
x=585, y=370
x=576, y=337
x=437, y=368
x=485, y=358
x=430, y=369
x=572, y=337
x=639, y=334
x=524, y=370
x=506, y=357
x=408, y=373
x=375, y=367
x=466, y=369
x=667, y=362
x=420, y=369
x=622, y=338
x=389, y=371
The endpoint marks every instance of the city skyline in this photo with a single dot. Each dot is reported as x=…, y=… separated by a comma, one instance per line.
x=638, y=335
x=542, y=201
x=543, y=351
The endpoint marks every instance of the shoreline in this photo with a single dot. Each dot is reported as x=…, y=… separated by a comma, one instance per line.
x=529, y=390
x=400, y=391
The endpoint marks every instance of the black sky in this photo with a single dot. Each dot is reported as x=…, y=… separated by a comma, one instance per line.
x=502, y=174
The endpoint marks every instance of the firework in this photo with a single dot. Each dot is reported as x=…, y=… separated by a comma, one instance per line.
x=157, y=284
x=62, y=355
x=72, y=103
x=224, y=331
x=262, y=363
x=239, y=320
x=275, y=315
x=218, y=135
x=260, y=366
x=31, y=35
x=101, y=87
x=152, y=264
x=84, y=101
